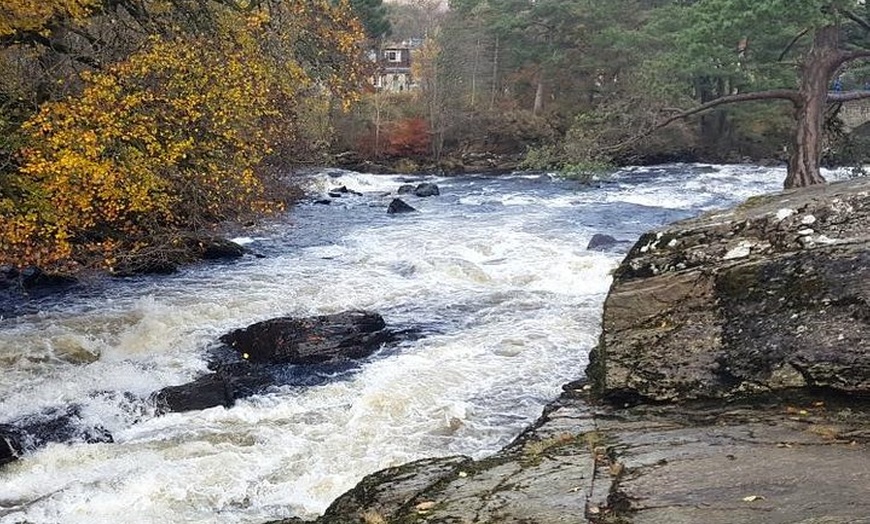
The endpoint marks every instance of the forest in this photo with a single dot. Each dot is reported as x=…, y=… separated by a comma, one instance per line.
x=129, y=128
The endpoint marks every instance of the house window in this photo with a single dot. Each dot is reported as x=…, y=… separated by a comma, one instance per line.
x=393, y=55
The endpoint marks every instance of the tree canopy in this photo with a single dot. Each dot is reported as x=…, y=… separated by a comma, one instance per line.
x=132, y=121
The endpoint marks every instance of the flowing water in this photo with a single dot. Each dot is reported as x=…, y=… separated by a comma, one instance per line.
x=494, y=273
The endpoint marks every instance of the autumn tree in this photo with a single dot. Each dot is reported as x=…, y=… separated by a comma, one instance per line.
x=176, y=135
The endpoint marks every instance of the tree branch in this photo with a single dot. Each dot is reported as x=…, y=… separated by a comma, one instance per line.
x=847, y=96
x=849, y=56
x=792, y=43
x=774, y=94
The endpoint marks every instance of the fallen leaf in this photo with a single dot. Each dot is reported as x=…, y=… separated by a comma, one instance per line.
x=425, y=506
x=752, y=498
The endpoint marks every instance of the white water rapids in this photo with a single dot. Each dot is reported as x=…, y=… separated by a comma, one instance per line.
x=494, y=272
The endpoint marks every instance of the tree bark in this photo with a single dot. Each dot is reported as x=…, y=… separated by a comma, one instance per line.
x=819, y=66
x=539, y=96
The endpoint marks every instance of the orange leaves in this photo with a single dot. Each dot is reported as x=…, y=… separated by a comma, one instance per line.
x=408, y=137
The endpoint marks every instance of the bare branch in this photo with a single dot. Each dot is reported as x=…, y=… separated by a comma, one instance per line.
x=847, y=96
x=849, y=56
x=774, y=94
x=792, y=43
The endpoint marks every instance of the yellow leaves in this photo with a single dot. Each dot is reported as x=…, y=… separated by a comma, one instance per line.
x=32, y=15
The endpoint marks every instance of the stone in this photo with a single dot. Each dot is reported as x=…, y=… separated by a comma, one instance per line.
x=737, y=302
x=426, y=189
x=390, y=490
x=602, y=242
x=34, y=278
x=221, y=249
x=10, y=447
x=311, y=340
x=31, y=432
x=399, y=206
x=205, y=392
x=406, y=189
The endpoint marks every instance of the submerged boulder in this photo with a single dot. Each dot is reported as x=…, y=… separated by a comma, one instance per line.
x=399, y=206
x=770, y=295
x=312, y=340
x=602, y=242
x=31, y=432
x=279, y=352
x=426, y=189
x=221, y=249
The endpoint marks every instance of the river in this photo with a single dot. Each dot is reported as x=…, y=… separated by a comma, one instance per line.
x=494, y=273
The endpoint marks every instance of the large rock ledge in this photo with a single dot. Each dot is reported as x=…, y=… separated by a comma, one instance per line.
x=772, y=294
x=731, y=385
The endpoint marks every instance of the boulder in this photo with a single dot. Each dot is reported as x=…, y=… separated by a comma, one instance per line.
x=10, y=446
x=602, y=242
x=771, y=295
x=8, y=276
x=399, y=206
x=279, y=352
x=32, y=432
x=426, y=189
x=205, y=392
x=221, y=249
x=343, y=190
x=34, y=278
x=406, y=189
x=347, y=335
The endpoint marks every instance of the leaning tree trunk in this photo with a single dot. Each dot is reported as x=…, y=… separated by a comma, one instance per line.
x=805, y=160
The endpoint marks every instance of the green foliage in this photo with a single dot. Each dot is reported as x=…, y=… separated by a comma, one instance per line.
x=553, y=158
x=373, y=15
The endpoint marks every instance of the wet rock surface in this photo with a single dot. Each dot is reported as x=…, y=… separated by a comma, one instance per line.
x=40, y=429
x=772, y=294
x=311, y=340
x=398, y=206
x=791, y=458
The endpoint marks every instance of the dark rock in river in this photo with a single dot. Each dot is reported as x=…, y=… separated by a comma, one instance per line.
x=221, y=249
x=32, y=432
x=602, y=242
x=399, y=206
x=279, y=352
x=343, y=190
x=406, y=189
x=205, y=392
x=772, y=294
x=34, y=278
x=426, y=189
x=349, y=335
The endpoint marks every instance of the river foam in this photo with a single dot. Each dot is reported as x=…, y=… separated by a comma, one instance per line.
x=494, y=273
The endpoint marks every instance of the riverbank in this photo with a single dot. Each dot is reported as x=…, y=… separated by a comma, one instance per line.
x=791, y=457
x=731, y=385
